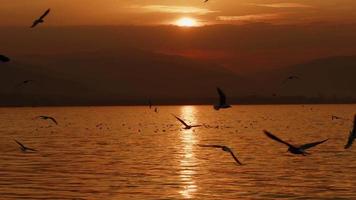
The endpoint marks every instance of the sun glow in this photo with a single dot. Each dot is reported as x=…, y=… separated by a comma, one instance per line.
x=186, y=22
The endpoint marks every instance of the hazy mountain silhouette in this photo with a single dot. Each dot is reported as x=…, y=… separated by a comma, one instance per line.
x=117, y=76
x=333, y=76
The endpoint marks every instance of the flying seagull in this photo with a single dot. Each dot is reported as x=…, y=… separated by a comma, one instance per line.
x=352, y=135
x=186, y=126
x=23, y=147
x=224, y=148
x=4, y=58
x=206, y=1
x=294, y=149
x=25, y=82
x=222, y=100
x=48, y=118
x=40, y=20
x=290, y=78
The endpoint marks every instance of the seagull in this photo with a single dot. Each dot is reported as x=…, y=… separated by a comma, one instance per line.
x=294, y=149
x=290, y=78
x=40, y=20
x=48, y=118
x=224, y=148
x=352, y=135
x=222, y=100
x=156, y=110
x=206, y=1
x=23, y=147
x=186, y=126
x=335, y=117
x=24, y=82
x=4, y=58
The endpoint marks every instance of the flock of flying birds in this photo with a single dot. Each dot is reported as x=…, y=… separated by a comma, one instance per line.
x=221, y=105
x=294, y=149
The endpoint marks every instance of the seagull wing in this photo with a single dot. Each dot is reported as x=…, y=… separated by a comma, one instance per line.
x=273, y=137
x=44, y=14
x=185, y=124
x=195, y=126
x=222, y=96
x=351, y=139
x=53, y=120
x=310, y=145
x=19, y=143
x=235, y=158
x=352, y=136
x=4, y=58
x=208, y=145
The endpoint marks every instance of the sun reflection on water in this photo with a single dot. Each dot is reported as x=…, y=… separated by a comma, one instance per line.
x=188, y=161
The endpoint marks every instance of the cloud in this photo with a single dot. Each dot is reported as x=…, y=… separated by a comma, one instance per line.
x=174, y=9
x=250, y=18
x=284, y=5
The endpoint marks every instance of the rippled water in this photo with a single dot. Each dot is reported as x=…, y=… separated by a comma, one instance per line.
x=139, y=154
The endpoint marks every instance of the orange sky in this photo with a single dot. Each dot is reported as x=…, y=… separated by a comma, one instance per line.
x=148, y=12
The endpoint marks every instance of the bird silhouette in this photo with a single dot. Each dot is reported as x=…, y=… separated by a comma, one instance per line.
x=294, y=149
x=290, y=78
x=222, y=100
x=186, y=126
x=25, y=82
x=4, y=58
x=48, y=118
x=23, y=147
x=352, y=135
x=40, y=19
x=224, y=148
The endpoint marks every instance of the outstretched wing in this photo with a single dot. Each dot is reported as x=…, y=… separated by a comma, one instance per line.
x=53, y=120
x=185, y=124
x=4, y=58
x=350, y=140
x=19, y=143
x=273, y=137
x=208, y=145
x=45, y=14
x=222, y=97
x=235, y=158
x=310, y=145
x=352, y=136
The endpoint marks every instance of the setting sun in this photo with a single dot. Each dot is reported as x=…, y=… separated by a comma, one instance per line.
x=186, y=22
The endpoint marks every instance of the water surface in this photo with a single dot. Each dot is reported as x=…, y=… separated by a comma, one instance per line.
x=135, y=153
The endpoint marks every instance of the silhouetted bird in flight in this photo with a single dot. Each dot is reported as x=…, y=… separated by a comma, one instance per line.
x=352, y=135
x=23, y=147
x=186, y=126
x=294, y=149
x=25, y=82
x=290, y=78
x=222, y=100
x=4, y=58
x=206, y=1
x=48, y=118
x=224, y=148
x=333, y=117
x=40, y=20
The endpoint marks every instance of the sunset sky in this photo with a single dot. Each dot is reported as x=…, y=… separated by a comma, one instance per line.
x=151, y=12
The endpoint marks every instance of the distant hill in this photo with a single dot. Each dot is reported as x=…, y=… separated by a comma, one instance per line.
x=113, y=76
x=333, y=76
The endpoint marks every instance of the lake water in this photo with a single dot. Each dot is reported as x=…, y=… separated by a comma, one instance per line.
x=116, y=153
